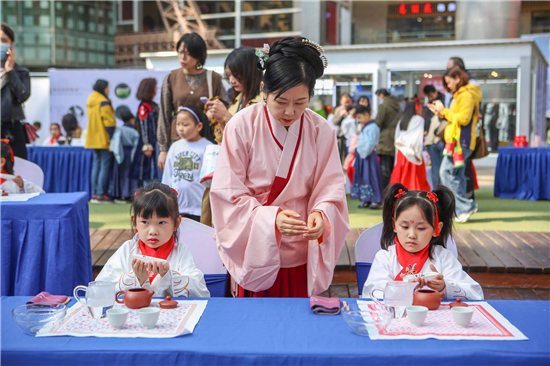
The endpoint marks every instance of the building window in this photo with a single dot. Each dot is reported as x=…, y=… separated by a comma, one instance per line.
x=267, y=23
x=126, y=11
x=265, y=5
x=540, y=22
x=215, y=7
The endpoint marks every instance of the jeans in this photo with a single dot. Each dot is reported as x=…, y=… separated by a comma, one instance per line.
x=386, y=166
x=455, y=180
x=101, y=170
x=436, y=157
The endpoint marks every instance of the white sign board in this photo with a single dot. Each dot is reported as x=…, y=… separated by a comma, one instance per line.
x=70, y=89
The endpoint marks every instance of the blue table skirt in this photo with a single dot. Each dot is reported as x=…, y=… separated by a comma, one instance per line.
x=264, y=331
x=523, y=173
x=66, y=168
x=216, y=284
x=46, y=244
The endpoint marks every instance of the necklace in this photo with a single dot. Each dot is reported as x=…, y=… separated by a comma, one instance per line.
x=194, y=81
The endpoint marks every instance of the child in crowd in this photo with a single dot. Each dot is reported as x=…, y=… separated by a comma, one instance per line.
x=13, y=184
x=156, y=218
x=124, y=145
x=184, y=160
x=367, y=179
x=55, y=135
x=75, y=135
x=416, y=227
x=409, y=168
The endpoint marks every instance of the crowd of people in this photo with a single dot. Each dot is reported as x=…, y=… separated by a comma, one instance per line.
x=379, y=152
x=277, y=197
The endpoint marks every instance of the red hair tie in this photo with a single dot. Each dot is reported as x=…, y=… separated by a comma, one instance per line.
x=176, y=192
x=433, y=197
x=11, y=151
x=400, y=193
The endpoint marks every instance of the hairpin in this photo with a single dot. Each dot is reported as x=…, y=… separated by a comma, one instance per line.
x=400, y=193
x=176, y=192
x=319, y=49
x=433, y=197
x=11, y=151
x=263, y=55
x=136, y=193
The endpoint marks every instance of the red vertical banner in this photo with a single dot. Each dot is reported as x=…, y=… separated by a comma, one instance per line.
x=332, y=23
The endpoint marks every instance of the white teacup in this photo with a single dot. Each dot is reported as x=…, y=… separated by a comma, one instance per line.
x=417, y=315
x=117, y=317
x=149, y=316
x=462, y=315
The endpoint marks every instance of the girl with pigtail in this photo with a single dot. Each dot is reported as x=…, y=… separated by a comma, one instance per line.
x=417, y=225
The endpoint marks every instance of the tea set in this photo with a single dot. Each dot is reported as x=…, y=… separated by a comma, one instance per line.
x=402, y=298
x=101, y=297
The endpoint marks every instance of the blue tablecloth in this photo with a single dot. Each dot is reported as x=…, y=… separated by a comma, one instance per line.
x=264, y=331
x=66, y=168
x=523, y=173
x=46, y=244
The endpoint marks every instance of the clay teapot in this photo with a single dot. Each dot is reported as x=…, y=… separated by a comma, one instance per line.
x=428, y=298
x=135, y=298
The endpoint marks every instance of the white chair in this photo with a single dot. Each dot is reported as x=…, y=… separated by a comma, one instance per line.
x=28, y=171
x=368, y=244
x=200, y=240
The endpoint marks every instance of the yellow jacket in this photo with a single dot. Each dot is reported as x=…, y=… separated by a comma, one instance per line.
x=234, y=108
x=101, y=117
x=463, y=117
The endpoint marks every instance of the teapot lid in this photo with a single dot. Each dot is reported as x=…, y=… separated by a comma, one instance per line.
x=458, y=303
x=168, y=303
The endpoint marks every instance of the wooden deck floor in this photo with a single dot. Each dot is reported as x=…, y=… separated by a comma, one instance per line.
x=509, y=265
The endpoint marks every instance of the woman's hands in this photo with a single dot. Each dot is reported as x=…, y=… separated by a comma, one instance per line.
x=162, y=159
x=216, y=109
x=288, y=224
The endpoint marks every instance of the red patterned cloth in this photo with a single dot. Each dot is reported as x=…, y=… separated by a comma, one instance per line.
x=290, y=282
x=412, y=263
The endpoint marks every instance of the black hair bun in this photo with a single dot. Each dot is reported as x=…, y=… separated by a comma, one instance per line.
x=295, y=48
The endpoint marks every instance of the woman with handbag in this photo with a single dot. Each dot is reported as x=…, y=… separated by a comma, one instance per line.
x=185, y=86
x=460, y=137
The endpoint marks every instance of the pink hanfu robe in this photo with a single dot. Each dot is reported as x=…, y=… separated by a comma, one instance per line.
x=259, y=156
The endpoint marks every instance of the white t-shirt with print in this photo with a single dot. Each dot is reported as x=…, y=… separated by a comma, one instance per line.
x=181, y=172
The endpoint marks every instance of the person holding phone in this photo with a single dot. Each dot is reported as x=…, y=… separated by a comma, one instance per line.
x=16, y=89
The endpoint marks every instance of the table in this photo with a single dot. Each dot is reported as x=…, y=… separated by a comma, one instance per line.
x=66, y=168
x=264, y=331
x=46, y=244
x=523, y=173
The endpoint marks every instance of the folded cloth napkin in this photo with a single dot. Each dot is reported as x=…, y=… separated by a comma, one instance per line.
x=46, y=297
x=324, y=306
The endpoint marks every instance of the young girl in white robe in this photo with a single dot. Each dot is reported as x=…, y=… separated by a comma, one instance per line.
x=10, y=183
x=416, y=227
x=55, y=135
x=156, y=218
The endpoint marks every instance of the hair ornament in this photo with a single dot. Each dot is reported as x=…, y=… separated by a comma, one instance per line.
x=176, y=192
x=263, y=55
x=400, y=193
x=11, y=151
x=190, y=111
x=319, y=49
x=433, y=197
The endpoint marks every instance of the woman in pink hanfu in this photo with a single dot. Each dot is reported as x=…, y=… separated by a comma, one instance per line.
x=278, y=202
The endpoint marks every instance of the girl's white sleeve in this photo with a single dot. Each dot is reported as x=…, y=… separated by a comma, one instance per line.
x=183, y=279
x=119, y=269
x=457, y=282
x=381, y=272
x=29, y=187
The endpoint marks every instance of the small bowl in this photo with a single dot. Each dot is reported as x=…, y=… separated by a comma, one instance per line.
x=33, y=317
x=360, y=319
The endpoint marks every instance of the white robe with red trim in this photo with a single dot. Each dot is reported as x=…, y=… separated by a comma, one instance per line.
x=253, y=153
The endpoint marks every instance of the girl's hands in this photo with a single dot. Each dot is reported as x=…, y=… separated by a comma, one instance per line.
x=436, y=283
x=19, y=181
x=158, y=267
x=289, y=226
x=140, y=269
x=315, y=226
